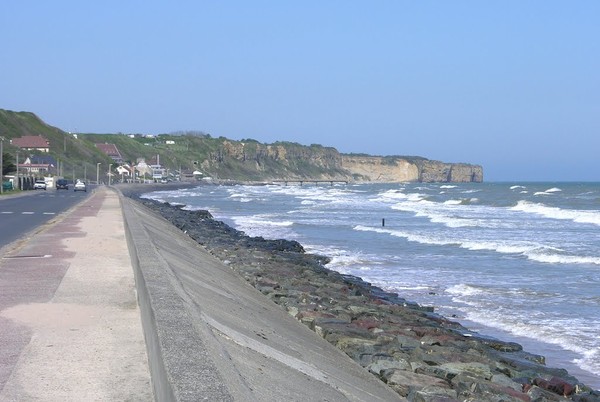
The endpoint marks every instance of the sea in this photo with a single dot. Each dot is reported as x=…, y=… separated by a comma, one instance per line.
x=516, y=261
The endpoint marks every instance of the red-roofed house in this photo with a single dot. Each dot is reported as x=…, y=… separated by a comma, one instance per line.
x=32, y=143
x=112, y=151
x=38, y=164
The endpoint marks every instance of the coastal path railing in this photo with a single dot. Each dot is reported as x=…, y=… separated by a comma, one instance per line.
x=316, y=182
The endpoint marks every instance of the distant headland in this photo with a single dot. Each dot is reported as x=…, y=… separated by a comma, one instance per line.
x=198, y=155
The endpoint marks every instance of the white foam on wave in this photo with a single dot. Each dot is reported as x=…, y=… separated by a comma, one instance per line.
x=504, y=247
x=590, y=361
x=196, y=208
x=347, y=262
x=579, y=216
x=413, y=288
x=448, y=186
x=463, y=289
x=527, y=249
x=575, y=335
x=263, y=225
x=408, y=236
x=445, y=213
x=462, y=201
x=563, y=259
x=516, y=187
x=453, y=202
x=549, y=191
x=391, y=195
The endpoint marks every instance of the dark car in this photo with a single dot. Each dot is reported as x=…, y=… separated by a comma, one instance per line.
x=62, y=184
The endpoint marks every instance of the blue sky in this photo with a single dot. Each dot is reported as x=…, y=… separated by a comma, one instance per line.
x=511, y=85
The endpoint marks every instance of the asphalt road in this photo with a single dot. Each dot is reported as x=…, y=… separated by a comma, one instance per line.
x=21, y=214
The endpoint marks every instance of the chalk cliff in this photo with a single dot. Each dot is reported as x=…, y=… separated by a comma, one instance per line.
x=284, y=160
x=409, y=169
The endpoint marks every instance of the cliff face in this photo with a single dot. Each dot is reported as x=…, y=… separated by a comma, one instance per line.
x=398, y=169
x=434, y=171
x=295, y=161
x=251, y=160
x=379, y=169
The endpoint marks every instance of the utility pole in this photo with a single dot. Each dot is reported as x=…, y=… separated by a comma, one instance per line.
x=98, y=173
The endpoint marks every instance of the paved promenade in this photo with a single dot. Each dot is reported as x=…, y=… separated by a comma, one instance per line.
x=70, y=327
x=76, y=326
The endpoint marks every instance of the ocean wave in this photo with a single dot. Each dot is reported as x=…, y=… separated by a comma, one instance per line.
x=453, y=202
x=439, y=213
x=462, y=289
x=408, y=236
x=590, y=361
x=563, y=259
x=574, y=335
x=262, y=225
x=579, y=216
x=549, y=191
x=448, y=186
x=462, y=201
x=527, y=249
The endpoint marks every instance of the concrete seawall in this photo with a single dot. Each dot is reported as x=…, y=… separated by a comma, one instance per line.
x=211, y=336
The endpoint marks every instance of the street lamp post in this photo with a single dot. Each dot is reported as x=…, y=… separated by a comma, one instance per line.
x=98, y=173
x=18, y=180
x=109, y=172
x=1, y=165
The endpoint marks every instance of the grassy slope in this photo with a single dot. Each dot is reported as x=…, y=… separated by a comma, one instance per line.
x=79, y=155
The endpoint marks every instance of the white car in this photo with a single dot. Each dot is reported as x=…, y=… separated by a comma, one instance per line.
x=80, y=186
x=39, y=185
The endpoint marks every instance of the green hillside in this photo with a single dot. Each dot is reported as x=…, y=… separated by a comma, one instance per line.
x=75, y=156
x=219, y=158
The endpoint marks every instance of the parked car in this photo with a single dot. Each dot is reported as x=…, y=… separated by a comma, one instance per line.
x=62, y=184
x=80, y=186
x=39, y=185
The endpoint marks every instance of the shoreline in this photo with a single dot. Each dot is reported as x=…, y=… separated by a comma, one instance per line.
x=398, y=341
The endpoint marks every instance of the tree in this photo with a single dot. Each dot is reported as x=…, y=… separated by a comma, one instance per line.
x=7, y=164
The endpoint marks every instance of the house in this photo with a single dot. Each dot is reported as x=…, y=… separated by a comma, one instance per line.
x=158, y=172
x=112, y=151
x=124, y=170
x=32, y=143
x=38, y=164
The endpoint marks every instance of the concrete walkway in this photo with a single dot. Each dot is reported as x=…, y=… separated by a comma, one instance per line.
x=70, y=327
